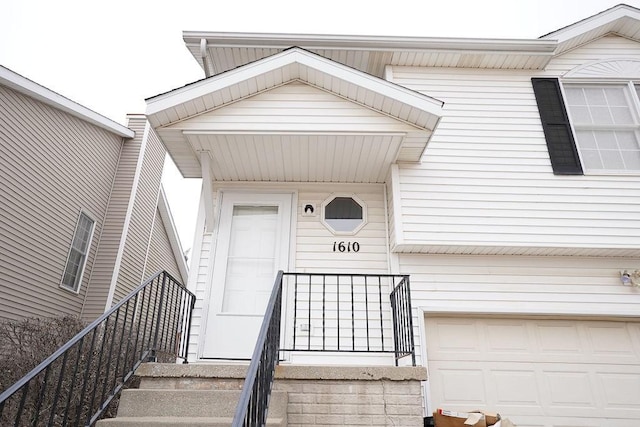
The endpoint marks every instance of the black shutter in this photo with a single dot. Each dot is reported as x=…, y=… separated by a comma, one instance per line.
x=557, y=131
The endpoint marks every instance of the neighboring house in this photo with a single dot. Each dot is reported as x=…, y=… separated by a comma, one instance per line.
x=83, y=218
x=428, y=157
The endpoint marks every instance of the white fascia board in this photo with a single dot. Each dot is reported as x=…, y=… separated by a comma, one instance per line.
x=593, y=22
x=170, y=228
x=283, y=59
x=377, y=43
x=372, y=83
x=34, y=90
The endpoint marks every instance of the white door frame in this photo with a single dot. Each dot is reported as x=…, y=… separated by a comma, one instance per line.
x=251, y=195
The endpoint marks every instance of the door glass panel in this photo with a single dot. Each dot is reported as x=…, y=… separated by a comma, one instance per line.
x=251, y=259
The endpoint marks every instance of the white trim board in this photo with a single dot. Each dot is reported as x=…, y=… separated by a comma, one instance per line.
x=34, y=90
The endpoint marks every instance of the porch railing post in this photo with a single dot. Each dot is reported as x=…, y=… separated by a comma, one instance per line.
x=187, y=330
x=412, y=346
x=153, y=355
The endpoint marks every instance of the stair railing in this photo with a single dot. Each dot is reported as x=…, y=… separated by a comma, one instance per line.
x=256, y=391
x=75, y=385
x=403, y=341
x=254, y=400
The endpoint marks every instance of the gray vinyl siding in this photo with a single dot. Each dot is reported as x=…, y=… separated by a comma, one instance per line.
x=114, y=223
x=160, y=255
x=138, y=233
x=53, y=165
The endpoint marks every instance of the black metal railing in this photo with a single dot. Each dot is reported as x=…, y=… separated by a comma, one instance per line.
x=368, y=313
x=75, y=385
x=360, y=313
x=254, y=400
x=403, y=342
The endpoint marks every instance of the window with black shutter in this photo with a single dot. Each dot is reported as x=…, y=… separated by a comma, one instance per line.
x=557, y=130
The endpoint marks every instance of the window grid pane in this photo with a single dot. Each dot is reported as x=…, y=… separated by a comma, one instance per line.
x=607, y=133
x=77, y=253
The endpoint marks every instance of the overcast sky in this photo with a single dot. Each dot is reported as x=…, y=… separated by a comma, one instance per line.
x=111, y=55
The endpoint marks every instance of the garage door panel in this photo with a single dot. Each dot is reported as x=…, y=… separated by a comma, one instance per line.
x=458, y=336
x=620, y=390
x=462, y=387
x=507, y=338
x=468, y=385
x=612, y=341
x=569, y=393
x=552, y=373
x=557, y=339
x=551, y=340
x=516, y=388
x=528, y=389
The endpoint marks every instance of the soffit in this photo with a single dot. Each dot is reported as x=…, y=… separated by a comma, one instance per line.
x=454, y=248
x=297, y=158
x=370, y=54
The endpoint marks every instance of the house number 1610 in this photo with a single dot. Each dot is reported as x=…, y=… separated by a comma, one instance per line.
x=346, y=247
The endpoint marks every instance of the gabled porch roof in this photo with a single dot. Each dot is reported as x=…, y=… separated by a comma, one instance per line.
x=402, y=123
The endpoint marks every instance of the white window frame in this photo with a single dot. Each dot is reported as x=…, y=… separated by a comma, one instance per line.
x=631, y=92
x=78, y=279
x=345, y=195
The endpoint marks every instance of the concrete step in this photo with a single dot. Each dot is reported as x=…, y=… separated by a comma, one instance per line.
x=196, y=407
x=179, y=421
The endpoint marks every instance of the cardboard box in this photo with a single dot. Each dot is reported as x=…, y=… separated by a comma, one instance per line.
x=444, y=418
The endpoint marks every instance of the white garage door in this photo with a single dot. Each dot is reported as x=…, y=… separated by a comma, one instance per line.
x=538, y=372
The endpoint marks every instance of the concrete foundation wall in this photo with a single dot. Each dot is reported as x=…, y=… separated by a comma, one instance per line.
x=317, y=396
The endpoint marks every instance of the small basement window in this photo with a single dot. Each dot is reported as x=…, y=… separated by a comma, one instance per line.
x=344, y=214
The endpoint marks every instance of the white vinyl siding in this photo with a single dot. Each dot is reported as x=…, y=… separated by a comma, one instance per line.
x=518, y=285
x=485, y=184
x=610, y=46
x=294, y=107
x=577, y=286
x=313, y=241
x=199, y=284
x=77, y=258
x=54, y=165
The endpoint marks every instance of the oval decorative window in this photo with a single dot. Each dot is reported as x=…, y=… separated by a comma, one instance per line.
x=344, y=214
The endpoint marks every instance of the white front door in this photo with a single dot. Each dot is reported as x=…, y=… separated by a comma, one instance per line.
x=252, y=245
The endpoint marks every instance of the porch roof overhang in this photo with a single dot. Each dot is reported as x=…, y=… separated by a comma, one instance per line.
x=241, y=151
